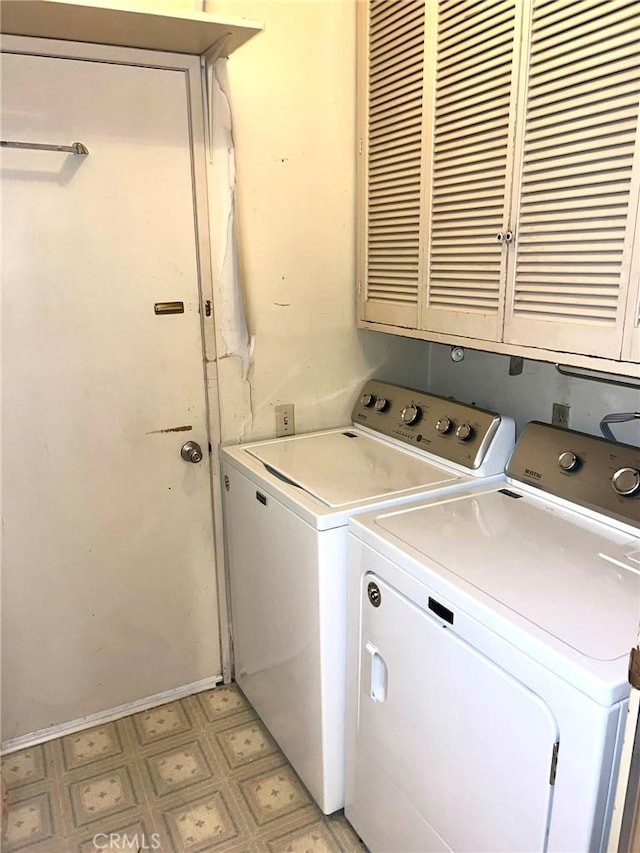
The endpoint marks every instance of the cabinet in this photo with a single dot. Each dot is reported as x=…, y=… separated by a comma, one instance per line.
x=500, y=175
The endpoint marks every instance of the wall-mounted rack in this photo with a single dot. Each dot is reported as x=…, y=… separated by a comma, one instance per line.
x=594, y=376
x=74, y=148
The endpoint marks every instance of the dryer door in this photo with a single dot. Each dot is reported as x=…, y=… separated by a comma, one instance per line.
x=452, y=752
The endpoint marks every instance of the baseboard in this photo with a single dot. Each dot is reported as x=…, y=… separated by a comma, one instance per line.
x=108, y=716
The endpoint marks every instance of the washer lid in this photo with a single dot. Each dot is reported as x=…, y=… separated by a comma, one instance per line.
x=575, y=578
x=341, y=468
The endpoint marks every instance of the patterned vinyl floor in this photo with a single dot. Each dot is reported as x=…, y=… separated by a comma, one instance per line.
x=201, y=774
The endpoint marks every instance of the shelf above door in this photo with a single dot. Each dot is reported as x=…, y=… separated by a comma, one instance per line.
x=125, y=25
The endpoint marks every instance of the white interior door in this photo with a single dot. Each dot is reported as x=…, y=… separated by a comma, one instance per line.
x=438, y=765
x=109, y=588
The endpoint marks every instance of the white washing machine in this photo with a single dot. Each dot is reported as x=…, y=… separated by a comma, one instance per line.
x=287, y=506
x=489, y=639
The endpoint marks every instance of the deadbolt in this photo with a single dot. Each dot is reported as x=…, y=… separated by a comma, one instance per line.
x=168, y=308
x=191, y=452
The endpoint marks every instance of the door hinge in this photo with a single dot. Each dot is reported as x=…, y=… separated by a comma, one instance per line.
x=359, y=288
x=634, y=667
x=207, y=308
x=359, y=146
x=554, y=763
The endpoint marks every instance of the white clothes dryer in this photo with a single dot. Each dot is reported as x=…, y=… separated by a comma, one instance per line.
x=287, y=505
x=489, y=639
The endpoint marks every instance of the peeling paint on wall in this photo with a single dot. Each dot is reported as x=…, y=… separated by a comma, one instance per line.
x=232, y=335
x=294, y=138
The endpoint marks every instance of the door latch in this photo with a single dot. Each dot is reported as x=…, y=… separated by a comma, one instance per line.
x=634, y=668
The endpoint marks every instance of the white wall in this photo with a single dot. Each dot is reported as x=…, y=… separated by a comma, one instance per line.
x=293, y=102
x=483, y=378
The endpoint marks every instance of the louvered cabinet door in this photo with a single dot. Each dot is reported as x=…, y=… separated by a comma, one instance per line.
x=568, y=289
x=471, y=157
x=391, y=40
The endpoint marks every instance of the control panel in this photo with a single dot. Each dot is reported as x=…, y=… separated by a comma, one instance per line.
x=585, y=469
x=457, y=432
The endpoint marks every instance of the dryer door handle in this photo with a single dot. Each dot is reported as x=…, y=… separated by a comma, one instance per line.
x=378, y=674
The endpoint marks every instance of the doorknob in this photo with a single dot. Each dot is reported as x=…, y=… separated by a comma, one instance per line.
x=191, y=452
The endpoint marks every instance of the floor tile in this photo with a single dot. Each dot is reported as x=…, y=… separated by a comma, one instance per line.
x=102, y=796
x=177, y=768
x=312, y=838
x=29, y=821
x=245, y=743
x=201, y=825
x=24, y=768
x=274, y=794
x=195, y=775
x=222, y=702
x=161, y=722
x=90, y=746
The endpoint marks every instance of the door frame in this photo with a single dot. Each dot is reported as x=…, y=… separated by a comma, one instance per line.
x=624, y=832
x=191, y=66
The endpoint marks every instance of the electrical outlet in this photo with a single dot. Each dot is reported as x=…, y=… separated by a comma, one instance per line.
x=560, y=415
x=285, y=420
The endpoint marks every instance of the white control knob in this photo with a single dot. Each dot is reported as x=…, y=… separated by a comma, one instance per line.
x=381, y=404
x=444, y=425
x=567, y=460
x=366, y=400
x=464, y=432
x=626, y=481
x=410, y=414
